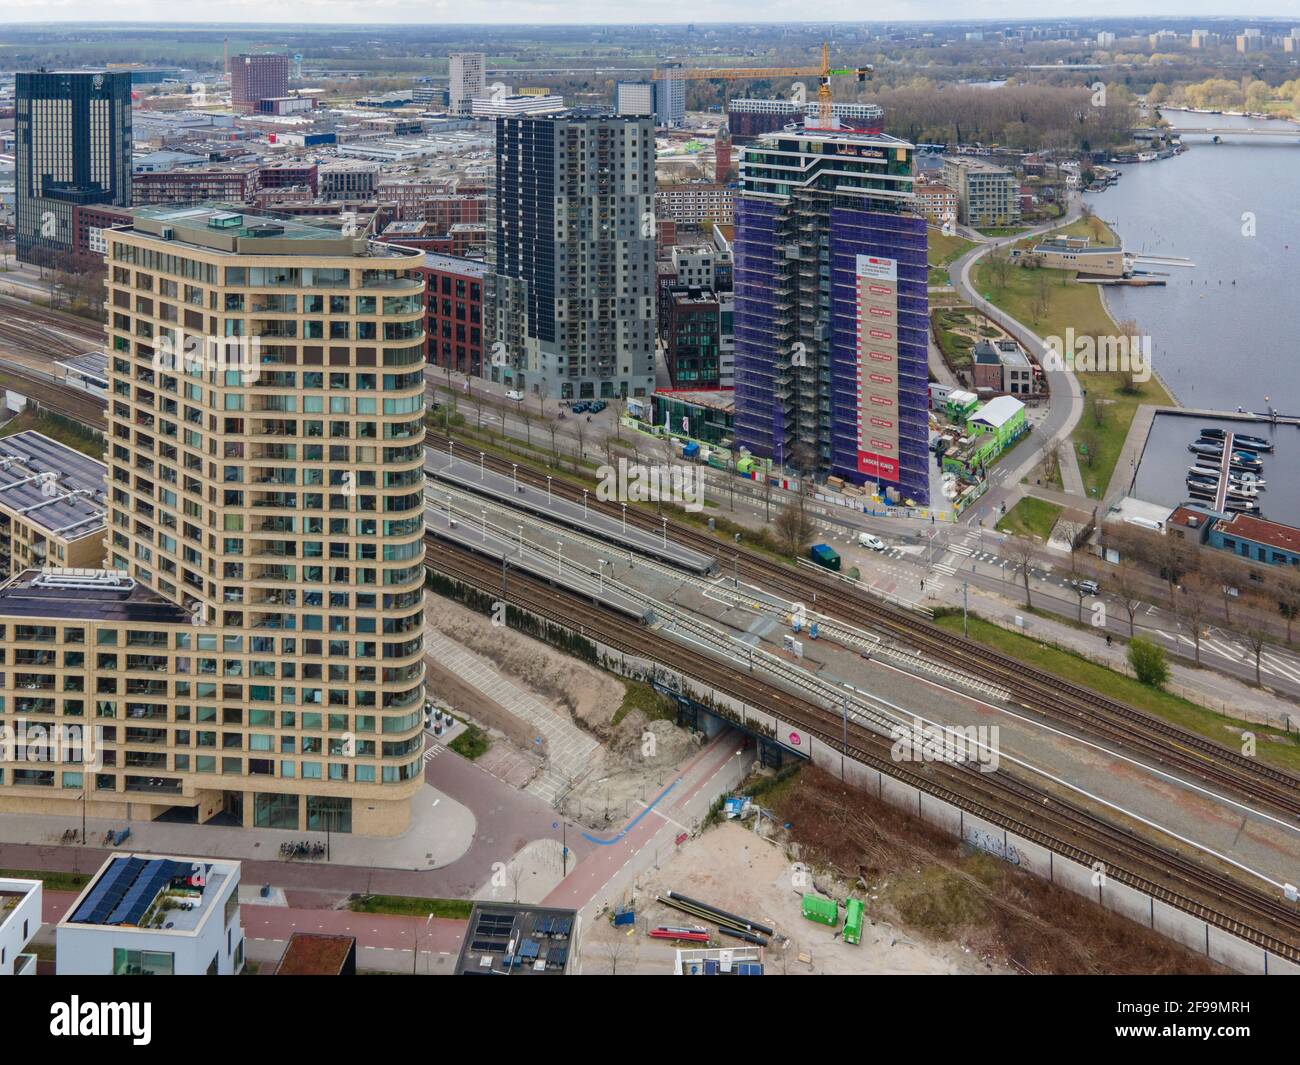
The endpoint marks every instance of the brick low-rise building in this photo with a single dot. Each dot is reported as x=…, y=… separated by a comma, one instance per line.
x=225, y=184
x=454, y=322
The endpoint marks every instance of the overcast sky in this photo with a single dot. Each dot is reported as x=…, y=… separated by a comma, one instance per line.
x=602, y=12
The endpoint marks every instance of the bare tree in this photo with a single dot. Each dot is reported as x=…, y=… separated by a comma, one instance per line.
x=1128, y=589
x=526, y=417
x=1023, y=553
x=793, y=529
x=1174, y=557
x=1225, y=575
x=1256, y=636
x=615, y=951
x=1286, y=588
x=1191, y=608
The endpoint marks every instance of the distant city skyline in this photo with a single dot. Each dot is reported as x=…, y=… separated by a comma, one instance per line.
x=586, y=12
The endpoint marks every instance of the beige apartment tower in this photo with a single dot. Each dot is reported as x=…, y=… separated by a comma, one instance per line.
x=254, y=653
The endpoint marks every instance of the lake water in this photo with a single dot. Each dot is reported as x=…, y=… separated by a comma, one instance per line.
x=1225, y=332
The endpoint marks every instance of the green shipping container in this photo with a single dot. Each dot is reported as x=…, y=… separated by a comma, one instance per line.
x=853, y=921
x=823, y=911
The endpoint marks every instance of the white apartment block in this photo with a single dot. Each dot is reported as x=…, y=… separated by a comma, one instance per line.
x=149, y=915
x=20, y=920
x=467, y=72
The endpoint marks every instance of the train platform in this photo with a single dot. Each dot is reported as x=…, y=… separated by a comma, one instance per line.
x=505, y=548
x=483, y=480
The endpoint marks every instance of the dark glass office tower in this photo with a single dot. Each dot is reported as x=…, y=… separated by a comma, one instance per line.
x=73, y=148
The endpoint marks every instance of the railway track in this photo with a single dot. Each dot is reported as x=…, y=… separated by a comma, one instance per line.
x=1200, y=888
x=1044, y=693
x=60, y=399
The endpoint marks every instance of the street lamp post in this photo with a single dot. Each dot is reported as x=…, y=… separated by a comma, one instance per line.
x=415, y=962
x=521, y=540
x=665, y=520
x=481, y=457
x=624, y=505
x=584, y=504
x=514, y=475
x=548, y=490
x=600, y=563
x=559, y=556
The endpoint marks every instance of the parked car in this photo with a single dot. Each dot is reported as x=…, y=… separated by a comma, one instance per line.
x=873, y=542
x=579, y=407
x=598, y=406
x=1085, y=587
x=515, y=394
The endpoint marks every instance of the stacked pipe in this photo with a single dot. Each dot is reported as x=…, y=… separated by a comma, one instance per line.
x=729, y=924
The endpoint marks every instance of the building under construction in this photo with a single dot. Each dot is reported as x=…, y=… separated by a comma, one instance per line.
x=831, y=307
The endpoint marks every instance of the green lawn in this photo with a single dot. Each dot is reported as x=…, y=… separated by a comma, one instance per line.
x=1030, y=517
x=1078, y=307
x=408, y=905
x=943, y=250
x=471, y=743
x=53, y=881
x=86, y=443
x=642, y=697
x=1282, y=751
x=1095, y=230
x=1098, y=446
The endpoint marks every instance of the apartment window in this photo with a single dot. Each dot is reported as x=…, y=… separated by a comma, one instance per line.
x=143, y=962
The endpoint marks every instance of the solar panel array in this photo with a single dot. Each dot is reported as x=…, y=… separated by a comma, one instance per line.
x=127, y=889
x=23, y=489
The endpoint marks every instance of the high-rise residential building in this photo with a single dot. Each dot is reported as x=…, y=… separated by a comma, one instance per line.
x=467, y=73
x=987, y=195
x=72, y=148
x=831, y=308
x=504, y=106
x=634, y=98
x=257, y=77
x=255, y=650
x=670, y=99
x=750, y=118
x=571, y=242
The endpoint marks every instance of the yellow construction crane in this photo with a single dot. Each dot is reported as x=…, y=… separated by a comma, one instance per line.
x=823, y=74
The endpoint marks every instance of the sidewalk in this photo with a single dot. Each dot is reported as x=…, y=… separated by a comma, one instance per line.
x=441, y=831
x=570, y=751
x=1209, y=688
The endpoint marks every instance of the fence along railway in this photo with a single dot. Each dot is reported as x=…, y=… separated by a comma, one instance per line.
x=1198, y=888
x=1039, y=691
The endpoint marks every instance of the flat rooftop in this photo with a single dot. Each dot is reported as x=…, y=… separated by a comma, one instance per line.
x=228, y=228
x=720, y=399
x=316, y=954
x=30, y=595
x=455, y=264
x=502, y=938
x=93, y=364
x=52, y=485
x=151, y=891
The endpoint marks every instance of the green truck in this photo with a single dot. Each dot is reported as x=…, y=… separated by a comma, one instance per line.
x=824, y=555
x=853, y=911
x=823, y=911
